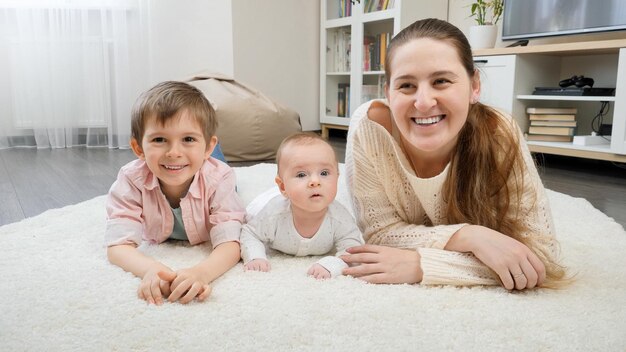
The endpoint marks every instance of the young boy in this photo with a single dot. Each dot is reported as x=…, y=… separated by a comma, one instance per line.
x=305, y=219
x=175, y=190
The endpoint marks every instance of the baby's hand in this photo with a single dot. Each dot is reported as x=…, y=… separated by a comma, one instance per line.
x=258, y=265
x=318, y=272
x=152, y=289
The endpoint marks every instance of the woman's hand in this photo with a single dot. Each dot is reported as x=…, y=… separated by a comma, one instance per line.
x=186, y=285
x=516, y=265
x=380, y=264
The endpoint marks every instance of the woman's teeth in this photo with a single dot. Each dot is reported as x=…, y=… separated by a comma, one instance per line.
x=429, y=120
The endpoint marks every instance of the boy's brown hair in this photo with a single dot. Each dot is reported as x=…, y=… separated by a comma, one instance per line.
x=165, y=100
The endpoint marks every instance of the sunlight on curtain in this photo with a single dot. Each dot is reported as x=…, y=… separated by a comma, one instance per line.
x=71, y=70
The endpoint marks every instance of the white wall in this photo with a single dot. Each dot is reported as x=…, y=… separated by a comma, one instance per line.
x=276, y=50
x=190, y=36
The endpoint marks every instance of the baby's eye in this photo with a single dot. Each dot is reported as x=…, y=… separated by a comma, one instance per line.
x=325, y=173
x=300, y=175
x=189, y=139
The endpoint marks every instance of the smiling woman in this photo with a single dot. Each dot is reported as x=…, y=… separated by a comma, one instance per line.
x=444, y=187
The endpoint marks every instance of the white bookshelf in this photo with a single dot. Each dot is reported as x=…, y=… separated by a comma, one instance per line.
x=360, y=23
x=509, y=76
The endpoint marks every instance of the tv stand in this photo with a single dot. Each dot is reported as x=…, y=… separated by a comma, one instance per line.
x=509, y=75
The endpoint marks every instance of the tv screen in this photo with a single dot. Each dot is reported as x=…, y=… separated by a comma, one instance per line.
x=524, y=19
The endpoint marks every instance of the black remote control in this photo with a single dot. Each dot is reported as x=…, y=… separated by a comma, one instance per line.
x=522, y=42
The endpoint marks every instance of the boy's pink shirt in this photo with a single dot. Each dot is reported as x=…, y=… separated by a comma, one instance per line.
x=138, y=210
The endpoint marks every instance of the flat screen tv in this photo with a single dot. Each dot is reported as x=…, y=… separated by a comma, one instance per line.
x=523, y=19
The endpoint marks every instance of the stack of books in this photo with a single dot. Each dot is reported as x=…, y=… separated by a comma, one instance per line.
x=551, y=124
x=375, y=51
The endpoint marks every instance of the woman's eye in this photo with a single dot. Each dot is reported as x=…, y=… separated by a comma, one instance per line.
x=441, y=81
x=406, y=87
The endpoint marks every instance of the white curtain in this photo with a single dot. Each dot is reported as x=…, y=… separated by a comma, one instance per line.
x=70, y=71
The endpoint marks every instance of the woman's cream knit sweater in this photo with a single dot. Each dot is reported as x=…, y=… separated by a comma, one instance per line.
x=395, y=208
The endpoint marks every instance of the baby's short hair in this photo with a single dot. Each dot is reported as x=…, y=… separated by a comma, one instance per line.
x=301, y=138
x=166, y=100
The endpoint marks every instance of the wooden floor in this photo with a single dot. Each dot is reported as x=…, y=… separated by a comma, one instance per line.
x=32, y=181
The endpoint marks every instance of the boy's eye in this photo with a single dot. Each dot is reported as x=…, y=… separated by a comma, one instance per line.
x=189, y=139
x=158, y=139
x=300, y=175
x=325, y=173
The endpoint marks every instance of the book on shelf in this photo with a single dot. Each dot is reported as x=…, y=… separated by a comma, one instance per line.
x=377, y=5
x=552, y=117
x=548, y=138
x=339, y=51
x=343, y=100
x=553, y=123
x=345, y=8
x=557, y=131
x=375, y=51
x=533, y=110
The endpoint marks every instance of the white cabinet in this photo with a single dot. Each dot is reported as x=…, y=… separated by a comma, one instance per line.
x=510, y=75
x=497, y=77
x=353, y=42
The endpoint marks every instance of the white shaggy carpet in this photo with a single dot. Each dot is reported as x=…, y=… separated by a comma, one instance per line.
x=59, y=293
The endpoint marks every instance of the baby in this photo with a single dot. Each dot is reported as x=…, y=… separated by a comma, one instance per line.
x=174, y=190
x=305, y=219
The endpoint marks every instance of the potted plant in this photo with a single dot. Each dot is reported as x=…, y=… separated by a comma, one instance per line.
x=486, y=13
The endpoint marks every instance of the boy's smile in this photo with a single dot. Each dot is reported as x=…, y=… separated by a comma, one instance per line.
x=174, y=152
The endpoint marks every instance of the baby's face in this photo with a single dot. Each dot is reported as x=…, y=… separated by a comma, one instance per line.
x=174, y=152
x=309, y=176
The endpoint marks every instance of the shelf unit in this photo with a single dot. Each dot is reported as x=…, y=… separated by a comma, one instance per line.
x=509, y=76
x=338, y=71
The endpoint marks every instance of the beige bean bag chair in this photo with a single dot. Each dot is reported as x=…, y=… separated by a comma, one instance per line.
x=250, y=125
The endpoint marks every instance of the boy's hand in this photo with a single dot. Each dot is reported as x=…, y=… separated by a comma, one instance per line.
x=152, y=288
x=318, y=272
x=258, y=265
x=186, y=285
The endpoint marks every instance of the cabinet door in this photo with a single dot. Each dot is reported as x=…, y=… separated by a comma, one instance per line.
x=497, y=77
